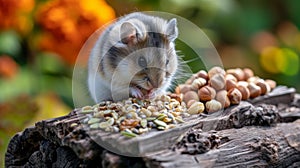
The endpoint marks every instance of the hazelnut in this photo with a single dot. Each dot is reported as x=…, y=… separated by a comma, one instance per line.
x=265, y=88
x=230, y=77
x=190, y=95
x=222, y=97
x=213, y=105
x=244, y=83
x=196, y=108
x=198, y=83
x=183, y=88
x=216, y=70
x=248, y=73
x=206, y=93
x=271, y=83
x=235, y=96
x=230, y=84
x=202, y=74
x=254, y=90
x=217, y=81
x=253, y=79
x=190, y=102
x=191, y=79
x=244, y=91
x=237, y=73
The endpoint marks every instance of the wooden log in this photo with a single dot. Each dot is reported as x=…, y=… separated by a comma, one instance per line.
x=249, y=146
x=65, y=142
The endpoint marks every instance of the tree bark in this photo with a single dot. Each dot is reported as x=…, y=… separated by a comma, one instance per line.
x=264, y=132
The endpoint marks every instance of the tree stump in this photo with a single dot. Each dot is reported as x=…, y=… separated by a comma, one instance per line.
x=263, y=132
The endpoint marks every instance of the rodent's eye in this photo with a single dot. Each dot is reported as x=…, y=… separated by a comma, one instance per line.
x=167, y=62
x=142, y=62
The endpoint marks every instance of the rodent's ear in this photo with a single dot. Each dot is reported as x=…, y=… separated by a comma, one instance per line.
x=172, y=30
x=128, y=33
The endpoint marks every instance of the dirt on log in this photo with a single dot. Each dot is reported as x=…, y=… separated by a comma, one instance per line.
x=260, y=133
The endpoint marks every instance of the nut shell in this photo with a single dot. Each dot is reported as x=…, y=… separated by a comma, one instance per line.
x=198, y=83
x=217, y=81
x=237, y=73
x=206, y=93
x=216, y=70
x=190, y=95
x=190, y=102
x=248, y=73
x=255, y=90
x=271, y=83
x=222, y=97
x=235, y=96
x=183, y=88
x=265, y=88
x=196, y=108
x=230, y=77
x=230, y=84
x=202, y=74
x=213, y=105
x=244, y=91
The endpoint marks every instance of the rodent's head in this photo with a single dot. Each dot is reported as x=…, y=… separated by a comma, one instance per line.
x=149, y=56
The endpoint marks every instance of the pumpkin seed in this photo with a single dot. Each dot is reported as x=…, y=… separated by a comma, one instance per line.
x=150, y=118
x=99, y=114
x=110, y=121
x=114, y=115
x=103, y=125
x=107, y=112
x=93, y=120
x=179, y=119
x=94, y=126
x=128, y=134
x=144, y=123
x=160, y=123
x=161, y=116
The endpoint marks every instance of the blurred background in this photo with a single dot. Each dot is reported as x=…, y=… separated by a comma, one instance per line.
x=40, y=40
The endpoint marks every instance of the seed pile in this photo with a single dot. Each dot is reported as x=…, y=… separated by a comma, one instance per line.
x=205, y=91
x=132, y=117
x=217, y=89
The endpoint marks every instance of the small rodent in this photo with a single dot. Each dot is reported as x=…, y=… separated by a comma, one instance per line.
x=133, y=57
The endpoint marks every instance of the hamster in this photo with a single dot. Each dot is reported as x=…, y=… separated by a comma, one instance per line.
x=133, y=57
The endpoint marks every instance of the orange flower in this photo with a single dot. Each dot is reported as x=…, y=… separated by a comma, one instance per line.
x=15, y=14
x=66, y=24
x=8, y=67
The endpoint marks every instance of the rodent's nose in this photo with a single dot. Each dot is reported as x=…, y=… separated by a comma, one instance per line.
x=155, y=82
x=155, y=78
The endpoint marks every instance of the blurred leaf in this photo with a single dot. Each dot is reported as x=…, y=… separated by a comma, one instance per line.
x=50, y=63
x=10, y=43
x=23, y=83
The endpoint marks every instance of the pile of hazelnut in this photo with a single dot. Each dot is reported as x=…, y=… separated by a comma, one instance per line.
x=218, y=89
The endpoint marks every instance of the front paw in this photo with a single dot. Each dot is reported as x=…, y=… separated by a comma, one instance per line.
x=137, y=93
